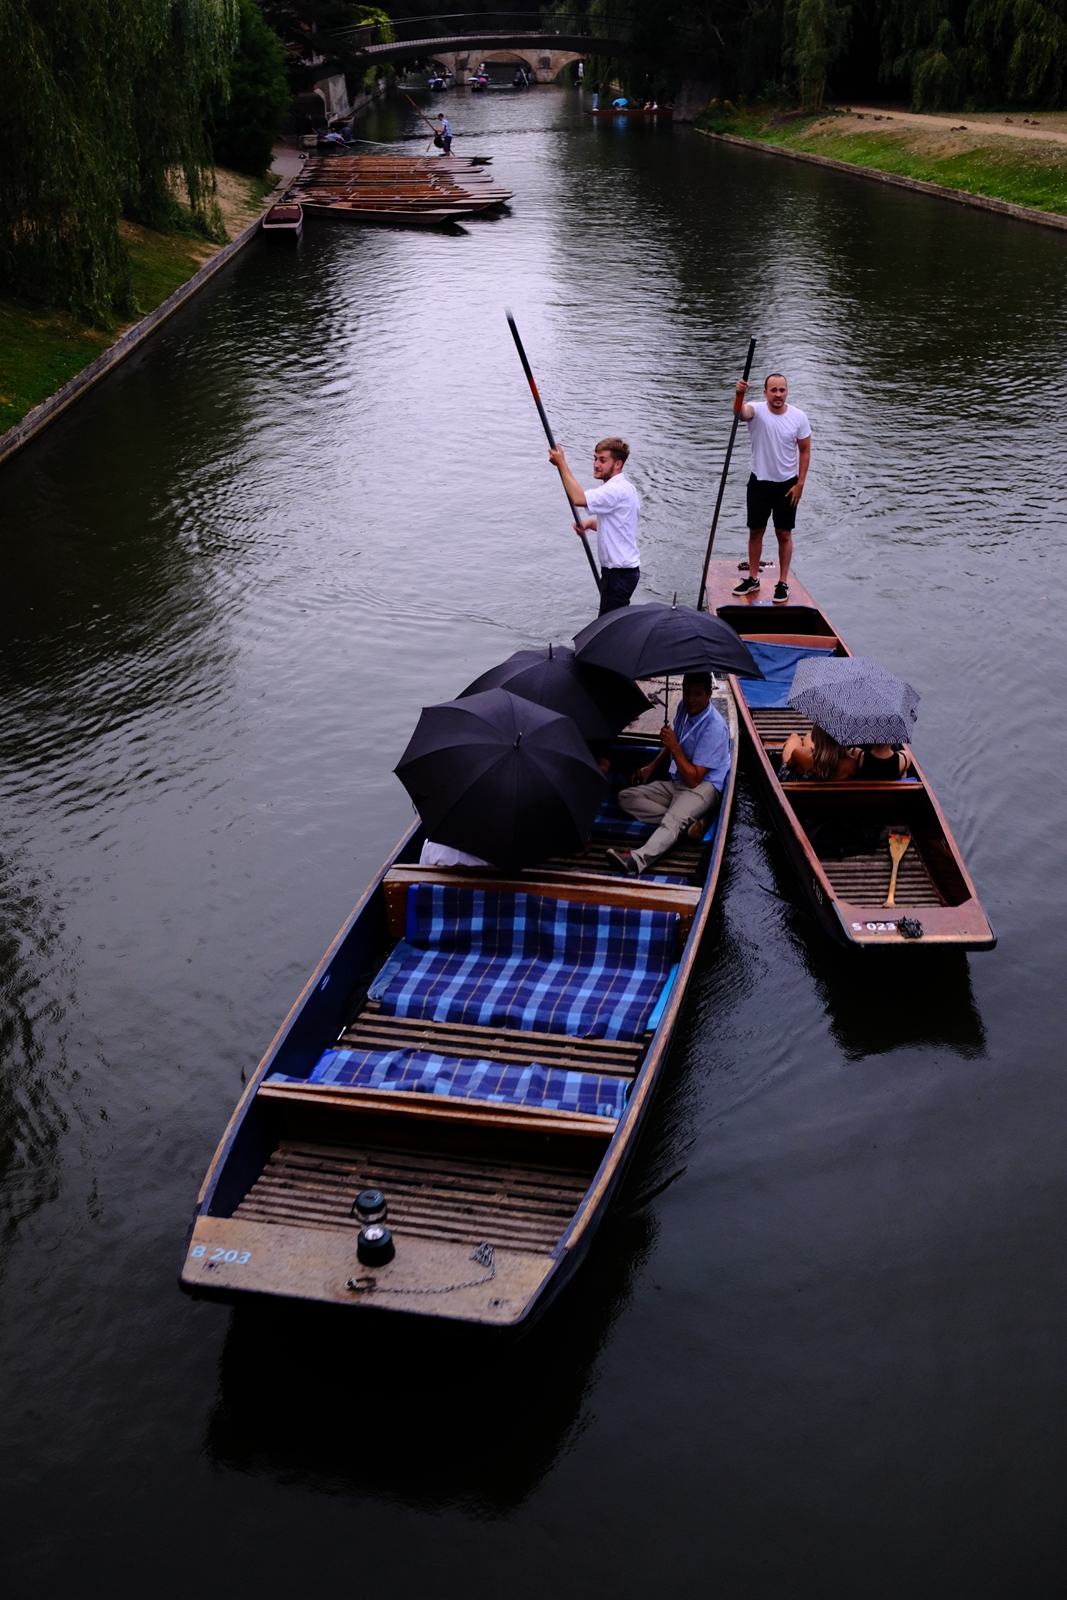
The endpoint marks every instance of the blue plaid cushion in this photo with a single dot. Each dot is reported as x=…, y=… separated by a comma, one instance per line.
x=506, y=960
x=466, y=1078
x=611, y=822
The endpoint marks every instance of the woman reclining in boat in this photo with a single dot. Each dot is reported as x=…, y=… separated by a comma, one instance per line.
x=815, y=755
x=818, y=756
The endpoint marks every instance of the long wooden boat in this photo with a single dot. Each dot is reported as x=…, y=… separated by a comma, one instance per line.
x=492, y=1201
x=284, y=221
x=936, y=901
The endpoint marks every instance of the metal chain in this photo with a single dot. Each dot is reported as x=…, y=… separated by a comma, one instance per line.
x=484, y=1255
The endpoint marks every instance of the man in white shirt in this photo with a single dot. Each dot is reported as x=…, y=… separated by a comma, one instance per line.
x=618, y=507
x=780, y=435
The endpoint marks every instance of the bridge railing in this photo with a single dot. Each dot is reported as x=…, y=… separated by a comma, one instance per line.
x=544, y=23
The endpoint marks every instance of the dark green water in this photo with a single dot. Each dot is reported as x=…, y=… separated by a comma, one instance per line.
x=820, y=1349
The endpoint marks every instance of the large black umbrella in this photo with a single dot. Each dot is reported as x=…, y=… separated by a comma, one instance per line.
x=598, y=701
x=501, y=778
x=647, y=641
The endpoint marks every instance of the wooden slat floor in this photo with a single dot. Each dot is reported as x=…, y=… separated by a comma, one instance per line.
x=681, y=861
x=373, y=1030
x=864, y=880
x=774, y=724
x=430, y=1196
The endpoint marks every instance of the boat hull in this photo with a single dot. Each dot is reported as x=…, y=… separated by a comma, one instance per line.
x=842, y=895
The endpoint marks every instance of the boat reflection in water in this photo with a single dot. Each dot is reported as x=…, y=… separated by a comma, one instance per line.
x=448, y=1414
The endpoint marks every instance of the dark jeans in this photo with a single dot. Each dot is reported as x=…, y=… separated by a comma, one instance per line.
x=617, y=584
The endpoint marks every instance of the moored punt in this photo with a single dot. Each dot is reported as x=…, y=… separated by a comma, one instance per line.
x=373, y=188
x=284, y=221
x=831, y=831
x=497, y=1168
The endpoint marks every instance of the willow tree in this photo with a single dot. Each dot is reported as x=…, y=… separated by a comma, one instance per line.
x=104, y=111
x=814, y=35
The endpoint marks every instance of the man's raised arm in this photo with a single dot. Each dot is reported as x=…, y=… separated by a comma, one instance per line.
x=744, y=411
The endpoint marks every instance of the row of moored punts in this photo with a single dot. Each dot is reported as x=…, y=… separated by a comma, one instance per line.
x=444, y=1117
x=424, y=190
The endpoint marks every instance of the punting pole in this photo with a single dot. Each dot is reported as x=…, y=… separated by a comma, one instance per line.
x=422, y=114
x=739, y=401
x=575, y=514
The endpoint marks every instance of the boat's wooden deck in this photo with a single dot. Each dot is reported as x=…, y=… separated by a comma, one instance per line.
x=374, y=1030
x=432, y=1195
x=864, y=880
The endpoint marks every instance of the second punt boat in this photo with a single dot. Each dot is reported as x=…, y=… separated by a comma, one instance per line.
x=835, y=833
x=444, y=1116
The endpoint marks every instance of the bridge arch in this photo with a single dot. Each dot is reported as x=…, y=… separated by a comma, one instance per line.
x=448, y=39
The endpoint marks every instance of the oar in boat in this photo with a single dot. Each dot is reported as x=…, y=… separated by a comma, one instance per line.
x=551, y=441
x=738, y=407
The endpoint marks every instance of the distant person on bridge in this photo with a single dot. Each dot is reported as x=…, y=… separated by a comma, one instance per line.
x=444, y=133
x=780, y=435
x=618, y=507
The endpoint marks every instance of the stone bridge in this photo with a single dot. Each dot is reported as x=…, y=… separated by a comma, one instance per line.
x=544, y=40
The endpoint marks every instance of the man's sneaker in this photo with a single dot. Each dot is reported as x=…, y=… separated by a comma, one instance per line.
x=623, y=860
x=748, y=586
x=781, y=593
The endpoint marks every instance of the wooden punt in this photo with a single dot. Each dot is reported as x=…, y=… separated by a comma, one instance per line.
x=492, y=1205
x=284, y=221
x=934, y=889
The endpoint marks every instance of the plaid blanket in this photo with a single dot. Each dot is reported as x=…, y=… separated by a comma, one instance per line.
x=503, y=959
x=467, y=1078
x=611, y=822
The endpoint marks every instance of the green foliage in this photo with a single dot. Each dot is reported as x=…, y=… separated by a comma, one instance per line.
x=104, y=111
x=814, y=35
x=247, y=124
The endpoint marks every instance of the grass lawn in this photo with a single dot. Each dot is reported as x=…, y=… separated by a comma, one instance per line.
x=41, y=350
x=976, y=160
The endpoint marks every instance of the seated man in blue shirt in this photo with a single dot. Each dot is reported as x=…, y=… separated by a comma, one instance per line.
x=699, y=749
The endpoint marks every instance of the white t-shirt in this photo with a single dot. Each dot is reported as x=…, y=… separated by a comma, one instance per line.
x=774, y=441
x=616, y=506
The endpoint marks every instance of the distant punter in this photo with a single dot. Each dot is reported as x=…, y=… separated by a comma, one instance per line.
x=445, y=133
x=618, y=507
x=780, y=435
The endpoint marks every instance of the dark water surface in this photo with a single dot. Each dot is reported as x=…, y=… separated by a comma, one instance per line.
x=820, y=1349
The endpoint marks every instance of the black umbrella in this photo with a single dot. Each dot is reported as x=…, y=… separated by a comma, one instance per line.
x=647, y=641
x=598, y=701
x=501, y=778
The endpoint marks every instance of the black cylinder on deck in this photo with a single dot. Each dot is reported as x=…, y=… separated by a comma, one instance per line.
x=375, y=1246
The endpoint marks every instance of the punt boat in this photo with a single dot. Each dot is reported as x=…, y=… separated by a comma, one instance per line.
x=284, y=221
x=836, y=834
x=493, y=1132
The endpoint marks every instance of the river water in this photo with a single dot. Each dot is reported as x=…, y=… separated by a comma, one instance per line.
x=819, y=1349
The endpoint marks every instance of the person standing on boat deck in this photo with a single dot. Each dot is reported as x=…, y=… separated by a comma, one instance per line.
x=780, y=436
x=445, y=133
x=618, y=507
x=699, y=749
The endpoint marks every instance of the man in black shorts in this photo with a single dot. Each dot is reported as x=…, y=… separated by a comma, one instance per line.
x=780, y=435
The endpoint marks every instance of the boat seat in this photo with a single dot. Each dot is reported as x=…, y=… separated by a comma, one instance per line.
x=499, y=957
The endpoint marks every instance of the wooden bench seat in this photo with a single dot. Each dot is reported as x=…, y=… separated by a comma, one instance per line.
x=644, y=896
x=374, y=1029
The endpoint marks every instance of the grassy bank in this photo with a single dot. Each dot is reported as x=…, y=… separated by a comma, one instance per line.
x=974, y=158
x=41, y=350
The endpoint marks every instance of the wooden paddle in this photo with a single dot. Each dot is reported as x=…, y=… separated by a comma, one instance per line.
x=898, y=843
x=739, y=401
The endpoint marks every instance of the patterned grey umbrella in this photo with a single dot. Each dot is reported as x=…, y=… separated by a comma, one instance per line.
x=854, y=699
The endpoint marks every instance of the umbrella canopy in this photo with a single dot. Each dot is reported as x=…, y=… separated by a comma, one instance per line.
x=597, y=701
x=646, y=641
x=854, y=700
x=502, y=778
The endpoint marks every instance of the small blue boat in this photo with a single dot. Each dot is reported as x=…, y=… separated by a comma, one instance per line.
x=444, y=1116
